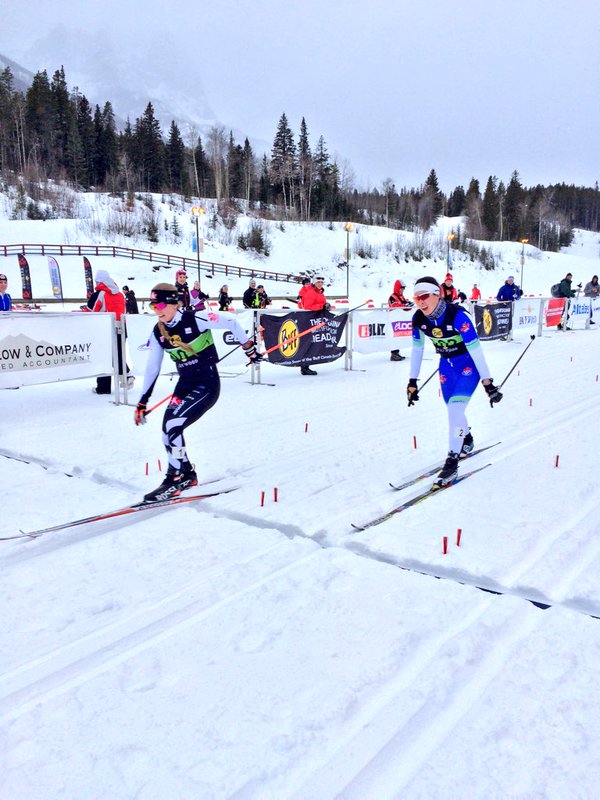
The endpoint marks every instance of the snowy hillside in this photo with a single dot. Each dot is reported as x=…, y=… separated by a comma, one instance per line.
x=378, y=256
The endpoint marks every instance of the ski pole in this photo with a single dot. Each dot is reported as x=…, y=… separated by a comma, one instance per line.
x=160, y=402
x=517, y=361
x=423, y=385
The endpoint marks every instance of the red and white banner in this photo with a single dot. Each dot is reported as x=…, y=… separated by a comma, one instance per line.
x=553, y=311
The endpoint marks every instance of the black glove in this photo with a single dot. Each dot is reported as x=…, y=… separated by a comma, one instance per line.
x=412, y=393
x=140, y=414
x=252, y=353
x=494, y=394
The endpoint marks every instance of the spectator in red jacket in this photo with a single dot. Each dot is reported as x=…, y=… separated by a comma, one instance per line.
x=303, y=291
x=397, y=300
x=475, y=292
x=448, y=291
x=314, y=300
x=107, y=298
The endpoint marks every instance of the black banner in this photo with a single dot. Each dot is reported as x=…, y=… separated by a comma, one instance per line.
x=494, y=320
x=303, y=337
x=89, y=281
x=25, y=277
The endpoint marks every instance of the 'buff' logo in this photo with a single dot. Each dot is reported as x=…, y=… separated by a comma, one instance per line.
x=488, y=322
x=288, y=339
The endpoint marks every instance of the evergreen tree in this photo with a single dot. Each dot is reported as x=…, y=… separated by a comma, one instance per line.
x=432, y=189
x=248, y=164
x=490, y=209
x=235, y=172
x=175, y=161
x=83, y=157
x=456, y=202
x=513, y=209
x=322, y=178
x=64, y=125
x=106, y=151
x=283, y=163
x=305, y=171
x=39, y=122
x=149, y=151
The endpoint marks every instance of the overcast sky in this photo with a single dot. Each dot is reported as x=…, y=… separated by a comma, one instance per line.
x=396, y=87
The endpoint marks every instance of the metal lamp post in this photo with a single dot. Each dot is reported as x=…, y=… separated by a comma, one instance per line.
x=448, y=259
x=523, y=242
x=348, y=227
x=197, y=212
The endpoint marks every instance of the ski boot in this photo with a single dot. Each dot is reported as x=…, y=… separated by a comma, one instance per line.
x=468, y=446
x=306, y=370
x=187, y=478
x=448, y=473
x=169, y=488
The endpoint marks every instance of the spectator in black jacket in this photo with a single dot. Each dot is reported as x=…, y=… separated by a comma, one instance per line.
x=224, y=299
x=248, y=296
x=131, y=306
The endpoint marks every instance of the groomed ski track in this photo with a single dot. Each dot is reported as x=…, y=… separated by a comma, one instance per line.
x=380, y=750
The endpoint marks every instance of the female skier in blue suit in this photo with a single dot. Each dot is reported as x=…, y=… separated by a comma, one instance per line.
x=462, y=364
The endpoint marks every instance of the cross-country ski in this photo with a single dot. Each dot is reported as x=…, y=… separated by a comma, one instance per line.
x=120, y=512
x=413, y=501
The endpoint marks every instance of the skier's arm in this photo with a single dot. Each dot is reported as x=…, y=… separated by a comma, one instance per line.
x=222, y=321
x=416, y=356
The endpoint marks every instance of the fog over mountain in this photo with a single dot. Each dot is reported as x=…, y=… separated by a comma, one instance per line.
x=396, y=89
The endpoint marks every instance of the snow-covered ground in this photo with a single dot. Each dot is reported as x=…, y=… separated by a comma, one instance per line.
x=228, y=649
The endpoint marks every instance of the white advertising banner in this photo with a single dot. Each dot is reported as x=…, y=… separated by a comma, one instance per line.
x=43, y=348
x=579, y=310
x=139, y=330
x=526, y=312
x=377, y=330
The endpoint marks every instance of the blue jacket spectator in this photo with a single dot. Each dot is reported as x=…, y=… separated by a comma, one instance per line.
x=5, y=298
x=509, y=291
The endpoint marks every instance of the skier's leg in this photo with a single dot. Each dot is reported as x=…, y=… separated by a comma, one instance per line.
x=180, y=414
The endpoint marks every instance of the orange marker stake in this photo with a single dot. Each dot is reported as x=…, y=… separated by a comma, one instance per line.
x=458, y=535
x=159, y=466
x=556, y=462
x=146, y=467
x=306, y=427
x=275, y=494
x=530, y=402
x=445, y=545
x=262, y=499
x=415, y=442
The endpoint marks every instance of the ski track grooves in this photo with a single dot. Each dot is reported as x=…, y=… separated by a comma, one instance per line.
x=384, y=750
x=26, y=685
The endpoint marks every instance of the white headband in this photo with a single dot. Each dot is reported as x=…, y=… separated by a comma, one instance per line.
x=426, y=287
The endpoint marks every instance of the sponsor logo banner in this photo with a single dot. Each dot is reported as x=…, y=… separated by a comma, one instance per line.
x=382, y=329
x=296, y=344
x=54, y=347
x=553, y=311
x=493, y=320
x=526, y=313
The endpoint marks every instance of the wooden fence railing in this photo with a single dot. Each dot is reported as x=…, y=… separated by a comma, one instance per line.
x=158, y=260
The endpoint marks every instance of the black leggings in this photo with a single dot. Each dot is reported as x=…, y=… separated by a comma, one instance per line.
x=185, y=407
